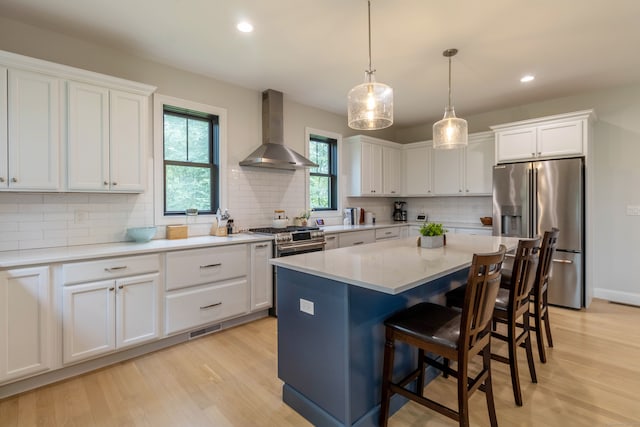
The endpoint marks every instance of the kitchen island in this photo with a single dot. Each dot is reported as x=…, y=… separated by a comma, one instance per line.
x=331, y=308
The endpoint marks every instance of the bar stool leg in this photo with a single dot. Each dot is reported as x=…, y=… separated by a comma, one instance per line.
x=539, y=335
x=513, y=363
x=529, y=348
x=463, y=395
x=488, y=387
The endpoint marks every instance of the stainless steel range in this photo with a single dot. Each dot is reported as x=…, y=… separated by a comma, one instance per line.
x=289, y=241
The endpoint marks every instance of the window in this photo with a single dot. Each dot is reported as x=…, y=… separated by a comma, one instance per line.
x=323, y=180
x=190, y=152
x=189, y=159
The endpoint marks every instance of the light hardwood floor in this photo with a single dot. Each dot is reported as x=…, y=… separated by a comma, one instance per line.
x=229, y=378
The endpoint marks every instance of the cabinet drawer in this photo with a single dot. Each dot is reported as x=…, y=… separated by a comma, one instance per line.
x=387, y=233
x=196, y=307
x=89, y=271
x=354, y=238
x=200, y=266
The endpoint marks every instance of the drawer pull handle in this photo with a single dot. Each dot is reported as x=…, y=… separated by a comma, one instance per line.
x=388, y=232
x=211, y=305
x=262, y=246
x=331, y=237
x=218, y=264
x=357, y=243
x=111, y=269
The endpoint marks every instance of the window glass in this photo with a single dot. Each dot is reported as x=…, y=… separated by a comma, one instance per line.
x=323, y=180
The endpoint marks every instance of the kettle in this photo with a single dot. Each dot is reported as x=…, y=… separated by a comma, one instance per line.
x=279, y=219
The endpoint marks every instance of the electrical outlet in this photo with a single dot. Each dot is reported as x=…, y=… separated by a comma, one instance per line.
x=633, y=210
x=306, y=306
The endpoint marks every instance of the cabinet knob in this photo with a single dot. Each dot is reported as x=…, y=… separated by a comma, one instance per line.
x=14, y=179
x=533, y=154
x=114, y=183
x=460, y=190
x=121, y=286
x=105, y=183
x=1, y=178
x=467, y=190
x=112, y=289
x=539, y=153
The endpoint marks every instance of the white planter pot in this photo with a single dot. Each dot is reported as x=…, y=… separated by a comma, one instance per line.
x=431, y=241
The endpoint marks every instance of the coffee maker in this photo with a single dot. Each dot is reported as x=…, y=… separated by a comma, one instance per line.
x=399, y=214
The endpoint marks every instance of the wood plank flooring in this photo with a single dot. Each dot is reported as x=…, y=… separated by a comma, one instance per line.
x=229, y=378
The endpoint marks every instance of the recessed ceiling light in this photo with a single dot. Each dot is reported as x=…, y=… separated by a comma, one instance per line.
x=527, y=78
x=245, y=27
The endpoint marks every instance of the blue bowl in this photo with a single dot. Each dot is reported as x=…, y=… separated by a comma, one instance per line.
x=141, y=234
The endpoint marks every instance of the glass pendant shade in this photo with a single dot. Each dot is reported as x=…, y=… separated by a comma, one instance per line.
x=450, y=132
x=370, y=105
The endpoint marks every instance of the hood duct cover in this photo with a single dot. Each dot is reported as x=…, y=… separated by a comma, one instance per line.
x=273, y=153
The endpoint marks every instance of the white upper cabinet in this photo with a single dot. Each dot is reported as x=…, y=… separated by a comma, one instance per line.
x=418, y=170
x=101, y=122
x=106, y=139
x=33, y=131
x=447, y=172
x=392, y=171
x=128, y=125
x=88, y=137
x=479, y=160
x=369, y=172
x=564, y=135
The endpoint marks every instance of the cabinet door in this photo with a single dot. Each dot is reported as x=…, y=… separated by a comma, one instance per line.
x=479, y=158
x=34, y=131
x=128, y=141
x=88, y=327
x=391, y=171
x=332, y=242
x=4, y=177
x=516, y=144
x=137, y=311
x=560, y=139
x=447, y=172
x=418, y=171
x=261, y=276
x=88, y=137
x=25, y=322
x=371, y=169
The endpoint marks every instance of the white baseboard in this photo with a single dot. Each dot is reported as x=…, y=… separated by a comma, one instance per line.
x=617, y=296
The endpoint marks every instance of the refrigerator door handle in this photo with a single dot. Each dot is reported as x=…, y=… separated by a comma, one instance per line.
x=562, y=261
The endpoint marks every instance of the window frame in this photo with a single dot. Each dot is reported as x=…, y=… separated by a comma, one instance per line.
x=159, y=104
x=211, y=165
x=325, y=213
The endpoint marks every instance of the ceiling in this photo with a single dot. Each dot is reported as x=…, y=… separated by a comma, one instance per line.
x=316, y=50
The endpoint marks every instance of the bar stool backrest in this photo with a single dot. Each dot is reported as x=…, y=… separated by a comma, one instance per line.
x=525, y=266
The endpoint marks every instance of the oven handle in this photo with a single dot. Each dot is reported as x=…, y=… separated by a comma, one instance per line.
x=319, y=245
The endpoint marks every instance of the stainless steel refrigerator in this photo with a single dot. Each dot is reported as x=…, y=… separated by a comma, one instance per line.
x=532, y=197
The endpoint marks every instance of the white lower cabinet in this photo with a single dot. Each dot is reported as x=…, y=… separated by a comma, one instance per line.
x=387, y=233
x=261, y=276
x=26, y=323
x=333, y=241
x=100, y=316
x=206, y=285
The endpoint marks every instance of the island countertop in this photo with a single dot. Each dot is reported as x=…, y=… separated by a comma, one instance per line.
x=394, y=266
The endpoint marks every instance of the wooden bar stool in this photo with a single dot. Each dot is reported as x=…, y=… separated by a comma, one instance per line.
x=451, y=334
x=540, y=291
x=512, y=308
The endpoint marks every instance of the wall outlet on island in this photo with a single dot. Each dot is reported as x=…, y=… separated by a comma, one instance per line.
x=306, y=306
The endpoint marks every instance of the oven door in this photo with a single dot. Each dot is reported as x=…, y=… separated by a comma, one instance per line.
x=299, y=248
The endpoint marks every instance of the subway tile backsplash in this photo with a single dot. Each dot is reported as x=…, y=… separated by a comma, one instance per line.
x=42, y=220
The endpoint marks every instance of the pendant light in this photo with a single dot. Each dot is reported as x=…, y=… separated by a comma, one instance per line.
x=451, y=131
x=370, y=104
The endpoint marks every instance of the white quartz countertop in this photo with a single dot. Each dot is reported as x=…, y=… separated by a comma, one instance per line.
x=10, y=259
x=394, y=266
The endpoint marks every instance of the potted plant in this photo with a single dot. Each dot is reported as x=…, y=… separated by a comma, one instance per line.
x=432, y=235
x=302, y=218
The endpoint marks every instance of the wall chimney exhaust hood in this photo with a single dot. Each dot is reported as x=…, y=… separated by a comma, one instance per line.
x=273, y=153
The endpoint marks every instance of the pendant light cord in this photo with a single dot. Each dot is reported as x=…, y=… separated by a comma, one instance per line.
x=449, y=106
x=370, y=71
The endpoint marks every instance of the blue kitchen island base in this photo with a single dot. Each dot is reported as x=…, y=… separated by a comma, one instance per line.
x=330, y=355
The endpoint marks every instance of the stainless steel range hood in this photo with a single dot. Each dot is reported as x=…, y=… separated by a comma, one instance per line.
x=273, y=153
